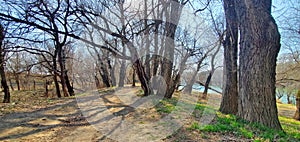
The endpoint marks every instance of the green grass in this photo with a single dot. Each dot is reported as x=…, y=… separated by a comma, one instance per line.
x=166, y=105
x=229, y=124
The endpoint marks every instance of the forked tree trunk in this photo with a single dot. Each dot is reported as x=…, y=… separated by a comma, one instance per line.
x=140, y=70
x=211, y=72
x=297, y=113
x=259, y=47
x=69, y=86
x=189, y=87
x=229, y=104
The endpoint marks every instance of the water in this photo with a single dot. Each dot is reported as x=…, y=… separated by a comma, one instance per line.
x=283, y=99
x=199, y=88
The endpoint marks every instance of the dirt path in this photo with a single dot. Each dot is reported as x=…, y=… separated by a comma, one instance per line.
x=112, y=116
x=93, y=117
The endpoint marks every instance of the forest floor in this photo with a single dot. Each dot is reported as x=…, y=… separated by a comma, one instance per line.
x=122, y=115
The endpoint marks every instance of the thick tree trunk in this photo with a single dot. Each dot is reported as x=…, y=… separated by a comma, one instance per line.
x=56, y=86
x=62, y=72
x=3, y=78
x=170, y=29
x=2, y=71
x=259, y=47
x=147, y=40
x=297, y=113
x=229, y=104
x=104, y=73
x=142, y=77
x=55, y=76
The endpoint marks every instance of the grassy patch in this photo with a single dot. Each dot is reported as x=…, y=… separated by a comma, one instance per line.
x=229, y=124
x=166, y=105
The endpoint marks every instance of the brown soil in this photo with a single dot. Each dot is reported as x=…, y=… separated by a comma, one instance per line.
x=114, y=117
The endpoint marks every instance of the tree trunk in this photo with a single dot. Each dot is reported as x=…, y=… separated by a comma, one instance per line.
x=142, y=77
x=3, y=79
x=147, y=40
x=62, y=69
x=2, y=71
x=68, y=83
x=297, y=113
x=133, y=78
x=170, y=29
x=56, y=86
x=46, y=88
x=17, y=81
x=11, y=85
x=55, y=76
x=206, y=85
x=259, y=47
x=189, y=87
x=122, y=74
x=112, y=73
x=229, y=104
x=97, y=82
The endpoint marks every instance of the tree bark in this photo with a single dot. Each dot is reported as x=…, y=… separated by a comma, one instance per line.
x=173, y=18
x=112, y=73
x=2, y=70
x=206, y=85
x=68, y=83
x=55, y=76
x=122, y=74
x=297, y=113
x=229, y=104
x=62, y=70
x=259, y=47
